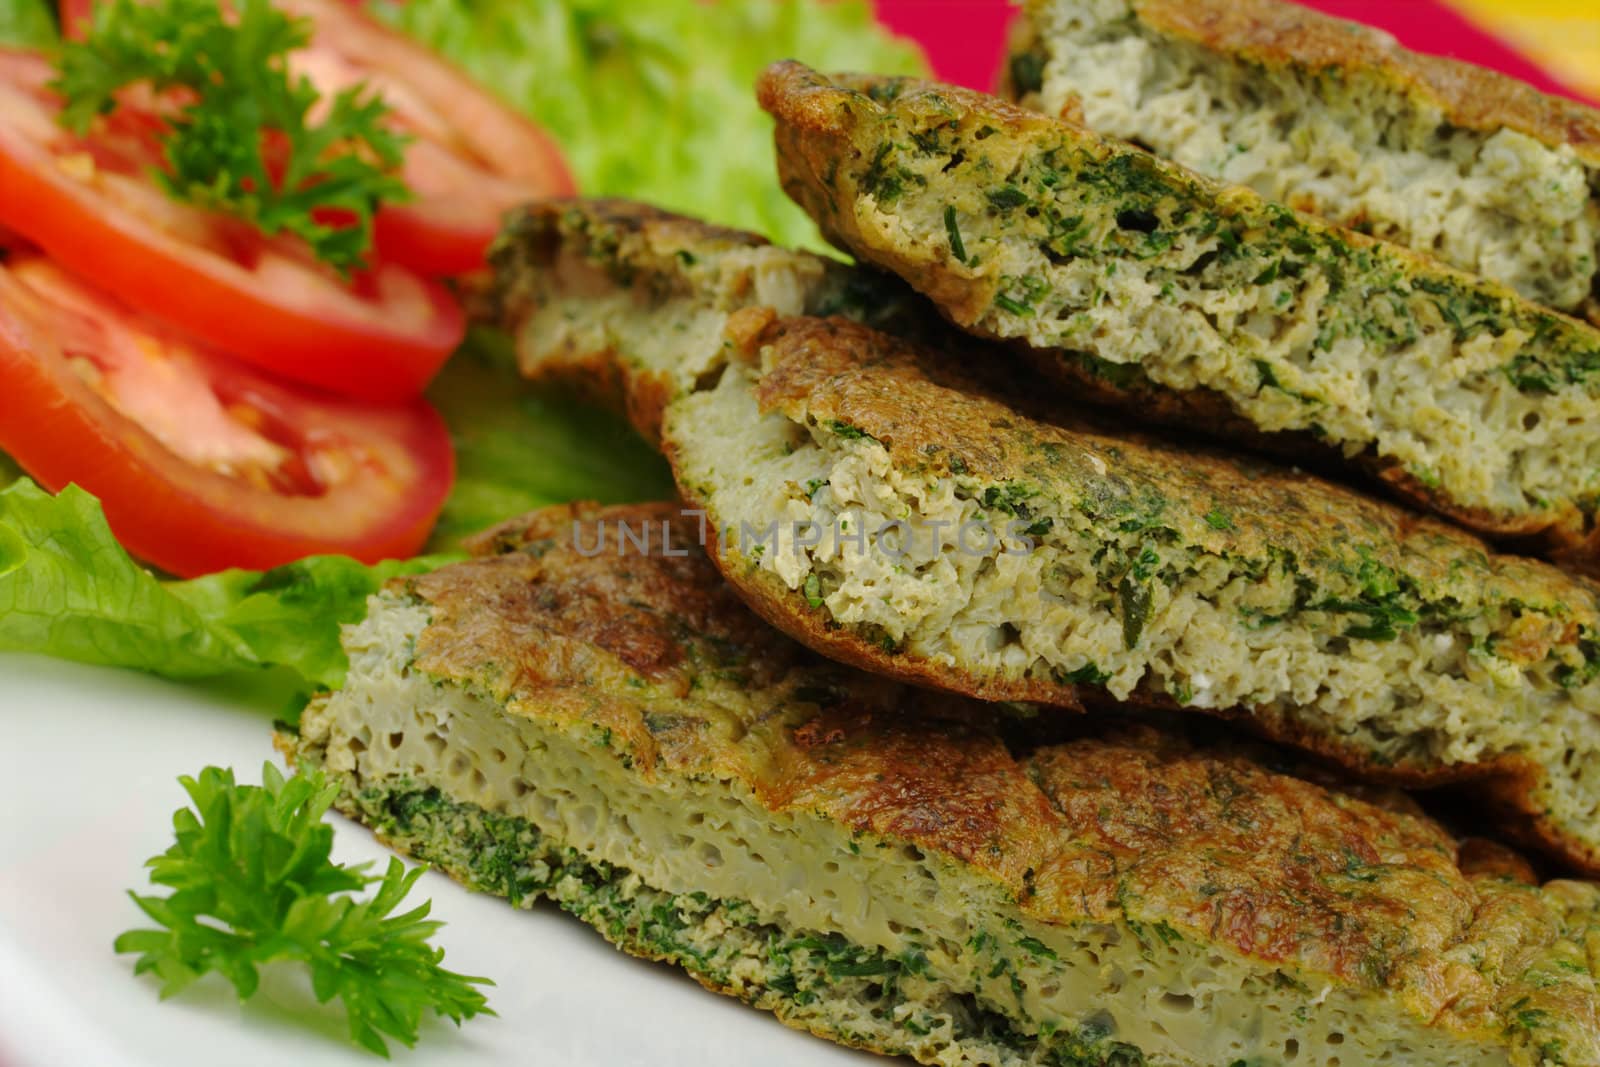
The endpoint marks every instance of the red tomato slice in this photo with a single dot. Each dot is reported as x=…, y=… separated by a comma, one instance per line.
x=203, y=463
x=93, y=205
x=472, y=160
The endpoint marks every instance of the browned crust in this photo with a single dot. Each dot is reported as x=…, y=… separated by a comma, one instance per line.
x=1567, y=538
x=1274, y=33
x=1115, y=824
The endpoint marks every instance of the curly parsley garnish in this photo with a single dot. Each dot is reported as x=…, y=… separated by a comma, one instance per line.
x=240, y=135
x=253, y=883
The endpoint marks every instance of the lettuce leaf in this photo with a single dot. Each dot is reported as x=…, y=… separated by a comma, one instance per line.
x=520, y=447
x=290, y=616
x=69, y=590
x=656, y=100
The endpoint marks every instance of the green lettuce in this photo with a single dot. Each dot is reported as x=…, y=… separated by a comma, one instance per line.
x=656, y=101
x=521, y=447
x=69, y=590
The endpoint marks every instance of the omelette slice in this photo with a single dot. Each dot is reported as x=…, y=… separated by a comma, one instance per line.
x=587, y=715
x=1187, y=300
x=1477, y=169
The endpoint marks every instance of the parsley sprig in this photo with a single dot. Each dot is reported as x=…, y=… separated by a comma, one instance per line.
x=253, y=883
x=242, y=139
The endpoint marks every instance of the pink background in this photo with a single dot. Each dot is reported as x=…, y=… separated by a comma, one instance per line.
x=964, y=39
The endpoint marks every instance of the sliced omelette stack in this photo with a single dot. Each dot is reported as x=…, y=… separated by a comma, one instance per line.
x=1474, y=168
x=874, y=500
x=1191, y=301
x=571, y=717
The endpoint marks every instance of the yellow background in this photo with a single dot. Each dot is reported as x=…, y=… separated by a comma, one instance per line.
x=1563, y=35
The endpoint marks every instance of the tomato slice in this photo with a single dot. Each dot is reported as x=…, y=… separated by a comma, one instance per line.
x=200, y=462
x=93, y=205
x=471, y=159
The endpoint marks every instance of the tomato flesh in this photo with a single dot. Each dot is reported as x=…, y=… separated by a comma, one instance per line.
x=93, y=205
x=202, y=463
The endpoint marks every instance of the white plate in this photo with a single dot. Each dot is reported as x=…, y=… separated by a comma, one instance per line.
x=89, y=761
